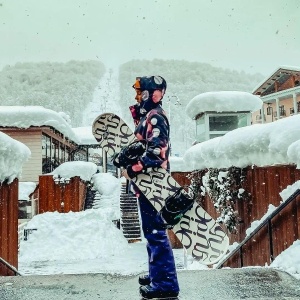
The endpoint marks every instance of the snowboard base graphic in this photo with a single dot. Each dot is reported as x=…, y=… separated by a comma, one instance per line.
x=199, y=233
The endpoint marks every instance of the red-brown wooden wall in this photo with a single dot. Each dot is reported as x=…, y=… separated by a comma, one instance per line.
x=9, y=226
x=51, y=195
x=264, y=184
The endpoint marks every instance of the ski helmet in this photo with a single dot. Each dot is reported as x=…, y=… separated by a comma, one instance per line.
x=153, y=83
x=146, y=85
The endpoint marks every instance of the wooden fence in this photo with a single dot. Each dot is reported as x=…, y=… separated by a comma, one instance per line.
x=264, y=184
x=61, y=198
x=9, y=226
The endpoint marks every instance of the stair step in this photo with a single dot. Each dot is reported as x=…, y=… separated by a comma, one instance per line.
x=130, y=215
x=129, y=202
x=128, y=207
x=130, y=210
x=130, y=199
x=130, y=226
x=131, y=236
x=131, y=231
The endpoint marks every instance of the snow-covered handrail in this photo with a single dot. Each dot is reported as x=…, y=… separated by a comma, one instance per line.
x=3, y=261
x=258, y=228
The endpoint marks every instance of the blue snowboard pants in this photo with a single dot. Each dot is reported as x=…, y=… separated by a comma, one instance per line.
x=162, y=270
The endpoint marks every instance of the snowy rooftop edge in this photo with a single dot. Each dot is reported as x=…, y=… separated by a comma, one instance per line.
x=27, y=116
x=13, y=154
x=292, y=68
x=223, y=101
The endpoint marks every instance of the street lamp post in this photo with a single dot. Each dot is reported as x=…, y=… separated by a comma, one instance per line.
x=177, y=102
x=62, y=182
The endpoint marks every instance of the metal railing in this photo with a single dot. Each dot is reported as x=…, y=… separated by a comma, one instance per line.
x=21, y=229
x=9, y=266
x=266, y=222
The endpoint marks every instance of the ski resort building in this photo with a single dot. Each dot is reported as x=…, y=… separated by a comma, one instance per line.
x=217, y=113
x=49, y=137
x=280, y=94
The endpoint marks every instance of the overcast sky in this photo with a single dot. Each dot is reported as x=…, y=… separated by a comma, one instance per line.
x=250, y=35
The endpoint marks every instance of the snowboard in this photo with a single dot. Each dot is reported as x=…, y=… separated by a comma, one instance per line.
x=199, y=233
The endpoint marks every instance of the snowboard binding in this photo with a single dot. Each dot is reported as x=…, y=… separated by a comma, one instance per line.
x=176, y=206
x=130, y=154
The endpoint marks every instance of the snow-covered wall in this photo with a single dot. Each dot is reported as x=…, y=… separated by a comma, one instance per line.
x=259, y=144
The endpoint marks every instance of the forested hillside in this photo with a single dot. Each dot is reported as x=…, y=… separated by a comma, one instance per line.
x=185, y=80
x=66, y=87
x=69, y=87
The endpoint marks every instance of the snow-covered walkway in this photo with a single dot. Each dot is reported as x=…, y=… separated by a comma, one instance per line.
x=229, y=284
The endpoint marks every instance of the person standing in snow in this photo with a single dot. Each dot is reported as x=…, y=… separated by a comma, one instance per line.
x=152, y=126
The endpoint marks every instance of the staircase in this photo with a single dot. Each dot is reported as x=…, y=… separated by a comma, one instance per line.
x=90, y=197
x=130, y=223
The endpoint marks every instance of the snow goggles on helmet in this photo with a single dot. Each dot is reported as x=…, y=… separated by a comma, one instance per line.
x=150, y=83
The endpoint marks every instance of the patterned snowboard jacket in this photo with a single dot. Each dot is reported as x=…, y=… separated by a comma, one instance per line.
x=155, y=130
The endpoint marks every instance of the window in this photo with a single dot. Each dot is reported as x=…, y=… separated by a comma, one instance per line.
x=211, y=125
x=200, y=129
x=223, y=123
x=46, y=154
x=281, y=111
x=269, y=110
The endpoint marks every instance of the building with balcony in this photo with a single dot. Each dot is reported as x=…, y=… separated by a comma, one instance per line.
x=280, y=94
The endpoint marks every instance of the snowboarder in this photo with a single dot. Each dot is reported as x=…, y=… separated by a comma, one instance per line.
x=152, y=126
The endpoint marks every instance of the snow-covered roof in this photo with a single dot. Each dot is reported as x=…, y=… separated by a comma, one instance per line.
x=223, y=101
x=258, y=144
x=274, y=76
x=86, y=135
x=27, y=116
x=13, y=155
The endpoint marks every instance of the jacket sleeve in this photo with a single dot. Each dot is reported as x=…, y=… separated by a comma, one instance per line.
x=157, y=138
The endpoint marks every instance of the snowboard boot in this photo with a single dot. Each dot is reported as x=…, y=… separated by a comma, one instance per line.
x=144, y=280
x=148, y=292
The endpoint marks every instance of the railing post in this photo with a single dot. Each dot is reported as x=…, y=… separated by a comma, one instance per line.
x=270, y=240
x=241, y=257
x=104, y=161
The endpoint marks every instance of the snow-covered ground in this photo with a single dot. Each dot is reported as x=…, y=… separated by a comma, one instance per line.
x=89, y=242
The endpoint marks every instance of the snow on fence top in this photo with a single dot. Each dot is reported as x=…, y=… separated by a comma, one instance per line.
x=85, y=170
x=224, y=101
x=13, y=154
x=259, y=144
